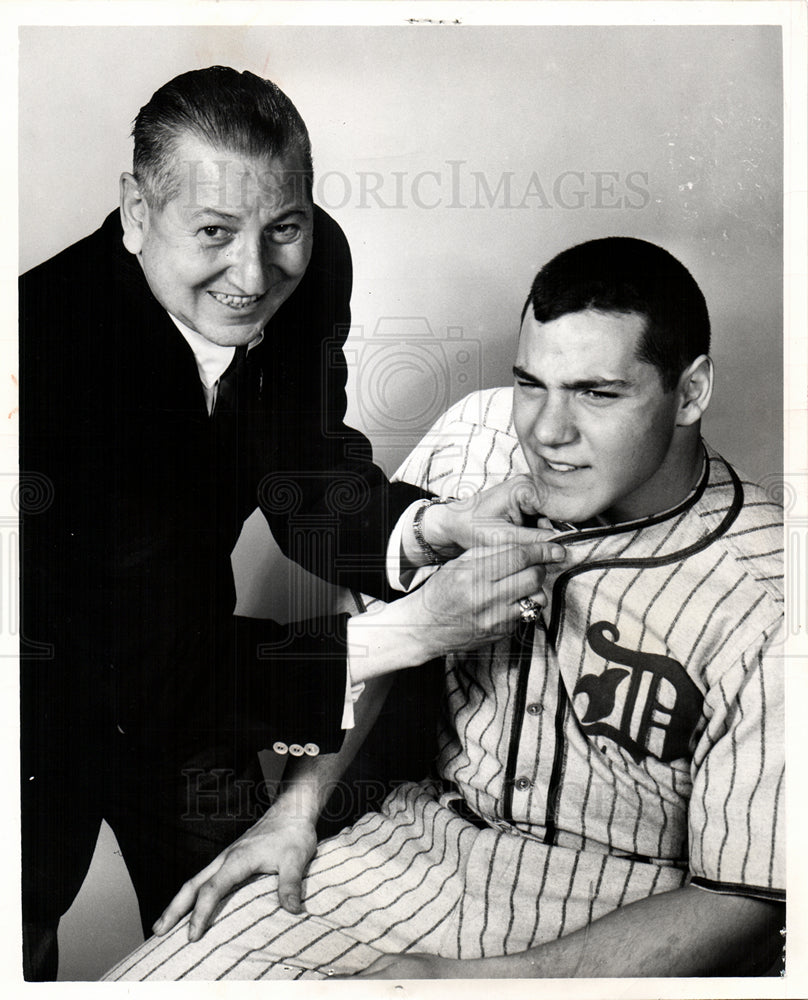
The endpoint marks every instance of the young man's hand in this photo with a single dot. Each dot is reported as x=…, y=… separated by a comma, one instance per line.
x=278, y=842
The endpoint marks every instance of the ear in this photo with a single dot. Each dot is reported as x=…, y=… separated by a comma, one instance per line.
x=695, y=389
x=134, y=214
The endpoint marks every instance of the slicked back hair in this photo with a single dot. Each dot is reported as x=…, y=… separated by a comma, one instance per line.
x=624, y=275
x=237, y=112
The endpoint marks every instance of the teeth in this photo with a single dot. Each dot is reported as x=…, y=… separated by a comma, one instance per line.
x=560, y=467
x=236, y=301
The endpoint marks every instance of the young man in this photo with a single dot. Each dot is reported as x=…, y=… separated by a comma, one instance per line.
x=610, y=790
x=179, y=367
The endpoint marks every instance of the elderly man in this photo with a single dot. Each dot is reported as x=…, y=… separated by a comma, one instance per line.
x=180, y=366
x=609, y=799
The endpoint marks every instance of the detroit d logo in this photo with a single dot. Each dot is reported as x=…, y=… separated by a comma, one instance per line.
x=650, y=709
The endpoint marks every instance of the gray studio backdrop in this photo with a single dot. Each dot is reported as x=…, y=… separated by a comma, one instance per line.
x=457, y=160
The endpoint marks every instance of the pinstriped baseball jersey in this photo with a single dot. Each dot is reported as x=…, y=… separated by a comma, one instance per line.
x=643, y=715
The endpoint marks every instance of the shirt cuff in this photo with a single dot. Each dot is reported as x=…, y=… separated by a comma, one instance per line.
x=352, y=691
x=401, y=575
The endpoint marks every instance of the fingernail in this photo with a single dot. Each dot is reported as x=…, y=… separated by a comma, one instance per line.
x=157, y=926
x=557, y=552
x=193, y=932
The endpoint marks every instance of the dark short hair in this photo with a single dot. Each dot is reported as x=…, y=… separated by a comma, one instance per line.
x=235, y=111
x=623, y=275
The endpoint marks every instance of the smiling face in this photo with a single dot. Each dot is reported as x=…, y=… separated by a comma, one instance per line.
x=600, y=434
x=232, y=244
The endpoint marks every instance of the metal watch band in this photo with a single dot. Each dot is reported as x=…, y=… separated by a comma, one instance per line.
x=432, y=555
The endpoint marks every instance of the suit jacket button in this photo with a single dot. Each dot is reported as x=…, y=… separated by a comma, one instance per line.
x=311, y=749
x=280, y=747
x=295, y=749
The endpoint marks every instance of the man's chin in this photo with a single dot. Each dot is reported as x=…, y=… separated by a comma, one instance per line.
x=235, y=335
x=569, y=510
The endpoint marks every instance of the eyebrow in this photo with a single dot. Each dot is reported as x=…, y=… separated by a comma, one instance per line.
x=217, y=213
x=213, y=212
x=294, y=210
x=577, y=385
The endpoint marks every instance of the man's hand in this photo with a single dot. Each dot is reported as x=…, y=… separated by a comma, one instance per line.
x=283, y=844
x=492, y=517
x=474, y=599
x=467, y=603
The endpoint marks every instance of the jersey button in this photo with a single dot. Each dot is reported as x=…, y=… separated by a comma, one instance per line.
x=522, y=783
x=311, y=749
x=280, y=747
x=534, y=708
x=295, y=749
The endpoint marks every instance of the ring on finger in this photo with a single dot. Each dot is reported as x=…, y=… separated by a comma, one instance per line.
x=530, y=609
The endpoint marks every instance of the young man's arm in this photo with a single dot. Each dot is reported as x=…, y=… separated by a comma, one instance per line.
x=686, y=932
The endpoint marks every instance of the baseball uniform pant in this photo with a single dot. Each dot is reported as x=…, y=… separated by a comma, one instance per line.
x=415, y=876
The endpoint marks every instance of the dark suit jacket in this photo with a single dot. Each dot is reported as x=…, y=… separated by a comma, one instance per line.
x=135, y=498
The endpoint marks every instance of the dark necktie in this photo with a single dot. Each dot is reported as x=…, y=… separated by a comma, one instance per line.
x=226, y=391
